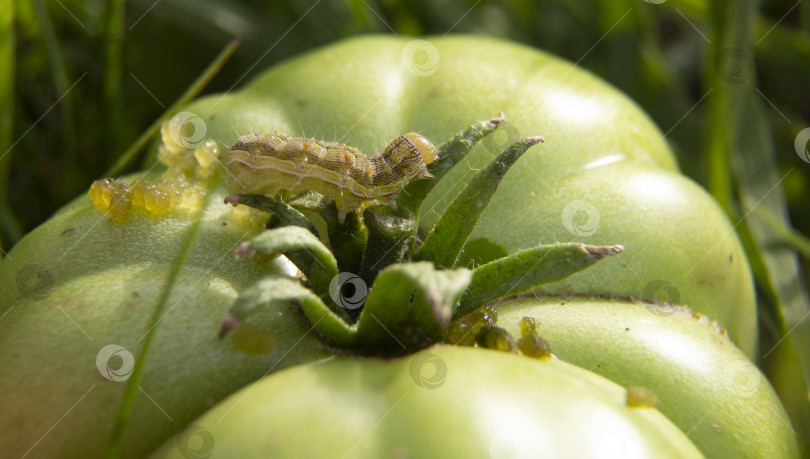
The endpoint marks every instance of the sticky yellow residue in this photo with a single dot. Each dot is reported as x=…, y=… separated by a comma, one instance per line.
x=496, y=338
x=528, y=326
x=113, y=197
x=641, y=397
x=251, y=340
x=184, y=146
x=460, y=334
x=171, y=193
x=534, y=346
x=462, y=330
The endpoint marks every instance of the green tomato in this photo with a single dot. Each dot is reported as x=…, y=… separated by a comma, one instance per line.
x=441, y=402
x=74, y=327
x=83, y=281
x=705, y=385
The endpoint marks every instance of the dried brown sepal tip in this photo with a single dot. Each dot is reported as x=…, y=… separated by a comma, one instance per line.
x=494, y=122
x=496, y=338
x=598, y=252
x=230, y=322
x=641, y=397
x=232, y=199
x=534, y=140
x=243, y=250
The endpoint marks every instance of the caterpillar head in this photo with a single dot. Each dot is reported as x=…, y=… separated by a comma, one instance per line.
x=412, y=153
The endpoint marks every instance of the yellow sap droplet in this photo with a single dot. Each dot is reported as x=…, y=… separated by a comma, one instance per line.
x=120, y=206
x=156, y=200
x=251, y=340
x=528, y=326
x=138, y=190
x=496, y=338
x=97, y=193
x=193, y=197
x=460, y=334
x=534, y=346
x=205, y=156
x=112, y=197
x=641, y=397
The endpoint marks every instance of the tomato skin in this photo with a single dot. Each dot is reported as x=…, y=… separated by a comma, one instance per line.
x=705, y=385
x=445, y=401
x=107, y=278
x=679, y=246
x=358, y=92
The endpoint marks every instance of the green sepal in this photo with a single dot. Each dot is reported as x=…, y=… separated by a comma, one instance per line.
x=530, y=268
x=445, y=241
x=450, y=153
x=410, y=305
x=272, y=292
x=280, y=209
x=391, y=233
x=346, y=237
x=302, y=248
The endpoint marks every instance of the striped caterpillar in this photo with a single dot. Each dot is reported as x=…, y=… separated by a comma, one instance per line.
x=268, y=163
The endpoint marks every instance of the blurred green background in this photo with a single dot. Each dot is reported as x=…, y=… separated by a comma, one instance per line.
x=728, y=82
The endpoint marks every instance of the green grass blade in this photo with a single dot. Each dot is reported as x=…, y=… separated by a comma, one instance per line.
x=732, y=26
x=10, y=231
x=61, y=82
x=757, y=173
x=113, y=43
x=789, y=235
x=131, y=153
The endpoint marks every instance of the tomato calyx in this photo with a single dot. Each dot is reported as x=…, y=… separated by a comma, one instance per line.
x=406, y=289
